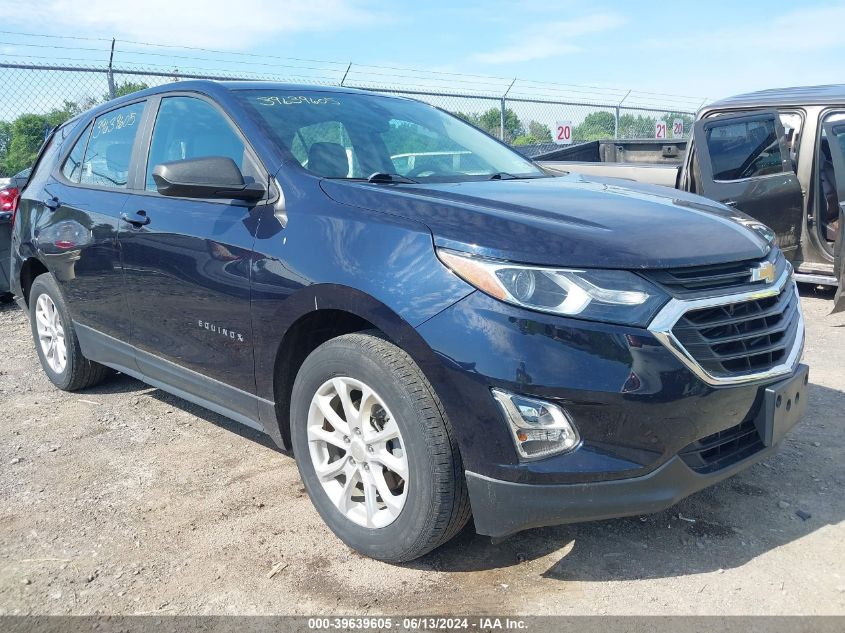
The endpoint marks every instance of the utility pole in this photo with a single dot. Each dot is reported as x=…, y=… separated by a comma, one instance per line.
x=110, y=74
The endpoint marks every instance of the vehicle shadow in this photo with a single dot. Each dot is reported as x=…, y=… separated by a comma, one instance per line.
x=721, y=527
x=121, y=383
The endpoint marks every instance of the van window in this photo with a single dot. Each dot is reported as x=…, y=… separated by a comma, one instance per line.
x=106, y=162
x=744, y=149
x=187, y=127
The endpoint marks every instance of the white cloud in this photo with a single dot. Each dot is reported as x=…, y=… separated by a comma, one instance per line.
x=551, y=39
x=809, y=29
x=218, y=24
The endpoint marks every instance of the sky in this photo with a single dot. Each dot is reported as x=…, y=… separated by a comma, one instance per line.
x=701, y=50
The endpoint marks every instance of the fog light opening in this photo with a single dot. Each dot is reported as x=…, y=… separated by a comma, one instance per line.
x=539, y=428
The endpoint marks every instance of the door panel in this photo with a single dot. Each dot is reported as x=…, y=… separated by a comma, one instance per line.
x=835, y=132
x=187, y=284
x=78, y=224
x=187, y=261
x=745, y=163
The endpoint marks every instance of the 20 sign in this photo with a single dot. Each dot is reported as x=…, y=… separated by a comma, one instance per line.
x=660, y=129
x=563, y=133
x=678, y=128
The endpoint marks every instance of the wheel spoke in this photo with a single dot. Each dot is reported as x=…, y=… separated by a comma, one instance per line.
x=342, y=389
x=42, y=319
x=393, y=502
x=325, y=405
x=389, y=432
x=345, y=502
x=317, y=434
x=370, y=501
x=331, y=470
x=393, y=463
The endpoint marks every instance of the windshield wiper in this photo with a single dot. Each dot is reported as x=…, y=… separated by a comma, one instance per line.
x=503, y=175
x=380, y=176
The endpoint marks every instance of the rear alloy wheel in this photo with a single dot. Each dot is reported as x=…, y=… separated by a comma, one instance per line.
x=55, y=339
x=375, y=449
x=51, y=333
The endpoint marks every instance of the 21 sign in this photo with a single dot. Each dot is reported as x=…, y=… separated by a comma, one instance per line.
x=660, y=129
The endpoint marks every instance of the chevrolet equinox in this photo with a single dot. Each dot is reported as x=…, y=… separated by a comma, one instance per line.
x=436, y=327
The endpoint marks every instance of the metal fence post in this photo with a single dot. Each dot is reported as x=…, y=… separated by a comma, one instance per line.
x=616, y=123
x=110, y=73
x=503, y=112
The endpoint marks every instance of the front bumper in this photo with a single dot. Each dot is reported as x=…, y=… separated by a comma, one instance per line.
x=501, y=508
x=652, y=431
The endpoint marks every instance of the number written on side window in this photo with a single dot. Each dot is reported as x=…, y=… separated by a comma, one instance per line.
x=109, y=149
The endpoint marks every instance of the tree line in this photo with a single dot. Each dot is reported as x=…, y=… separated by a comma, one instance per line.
x=595, y=126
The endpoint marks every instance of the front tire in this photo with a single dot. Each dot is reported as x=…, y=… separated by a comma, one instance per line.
x=55, y=339
x=375, y=449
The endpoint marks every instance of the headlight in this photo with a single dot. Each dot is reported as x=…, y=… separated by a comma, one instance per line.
x=615, y=296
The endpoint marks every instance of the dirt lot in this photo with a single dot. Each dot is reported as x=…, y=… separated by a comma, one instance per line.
x=124, y=499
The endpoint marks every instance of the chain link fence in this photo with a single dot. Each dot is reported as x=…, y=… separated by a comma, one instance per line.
x=37, y=97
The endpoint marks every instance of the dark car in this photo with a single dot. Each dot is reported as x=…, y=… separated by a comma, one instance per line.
x=10, y=189
x=434, y=338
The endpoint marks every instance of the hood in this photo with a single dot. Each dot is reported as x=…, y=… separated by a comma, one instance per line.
x=571, y=220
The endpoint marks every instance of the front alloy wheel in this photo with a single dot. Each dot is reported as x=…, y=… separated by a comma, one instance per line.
x=375, y=449
x=358, y=452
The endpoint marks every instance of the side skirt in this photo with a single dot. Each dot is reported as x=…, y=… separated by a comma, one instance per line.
x=192, y=386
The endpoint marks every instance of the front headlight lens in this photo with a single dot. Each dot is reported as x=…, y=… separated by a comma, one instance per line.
x=615, y=296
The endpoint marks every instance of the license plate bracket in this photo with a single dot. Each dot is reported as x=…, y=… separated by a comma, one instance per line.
x=784, y=404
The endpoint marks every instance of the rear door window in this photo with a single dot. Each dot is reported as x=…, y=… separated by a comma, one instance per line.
x=109, y=150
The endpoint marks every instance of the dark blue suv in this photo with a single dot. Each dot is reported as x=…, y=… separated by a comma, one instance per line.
x=438, y=328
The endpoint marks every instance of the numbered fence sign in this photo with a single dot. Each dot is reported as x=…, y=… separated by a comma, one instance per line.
x=660, y=129
x=677, y=128
x=563, y=133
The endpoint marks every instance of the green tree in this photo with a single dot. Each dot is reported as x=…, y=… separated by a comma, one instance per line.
x=596, y=126
x=125, y=88
x=28, y=132
x=537, y=133
x=491, y=120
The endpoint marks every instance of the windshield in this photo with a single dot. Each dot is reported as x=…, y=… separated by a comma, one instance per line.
x=348, y=135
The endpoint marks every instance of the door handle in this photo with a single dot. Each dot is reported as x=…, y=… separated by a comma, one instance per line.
x=729, y=203
x=137, y=219
x=52, y=203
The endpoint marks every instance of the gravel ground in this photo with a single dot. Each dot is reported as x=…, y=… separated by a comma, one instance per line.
x=125, y=500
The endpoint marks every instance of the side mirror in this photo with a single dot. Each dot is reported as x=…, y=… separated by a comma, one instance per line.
x=207, y=177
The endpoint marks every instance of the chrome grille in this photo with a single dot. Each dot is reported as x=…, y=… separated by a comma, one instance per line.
x=742, y=337
x=732, y=276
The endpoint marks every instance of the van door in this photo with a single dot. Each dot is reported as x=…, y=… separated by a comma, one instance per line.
x=744, y=163
x=835, y=132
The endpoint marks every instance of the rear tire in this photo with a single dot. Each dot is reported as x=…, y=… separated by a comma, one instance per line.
x=407, y=517
x=55, y=339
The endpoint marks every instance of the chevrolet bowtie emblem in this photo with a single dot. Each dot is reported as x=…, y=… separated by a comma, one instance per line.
x=764, y=272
